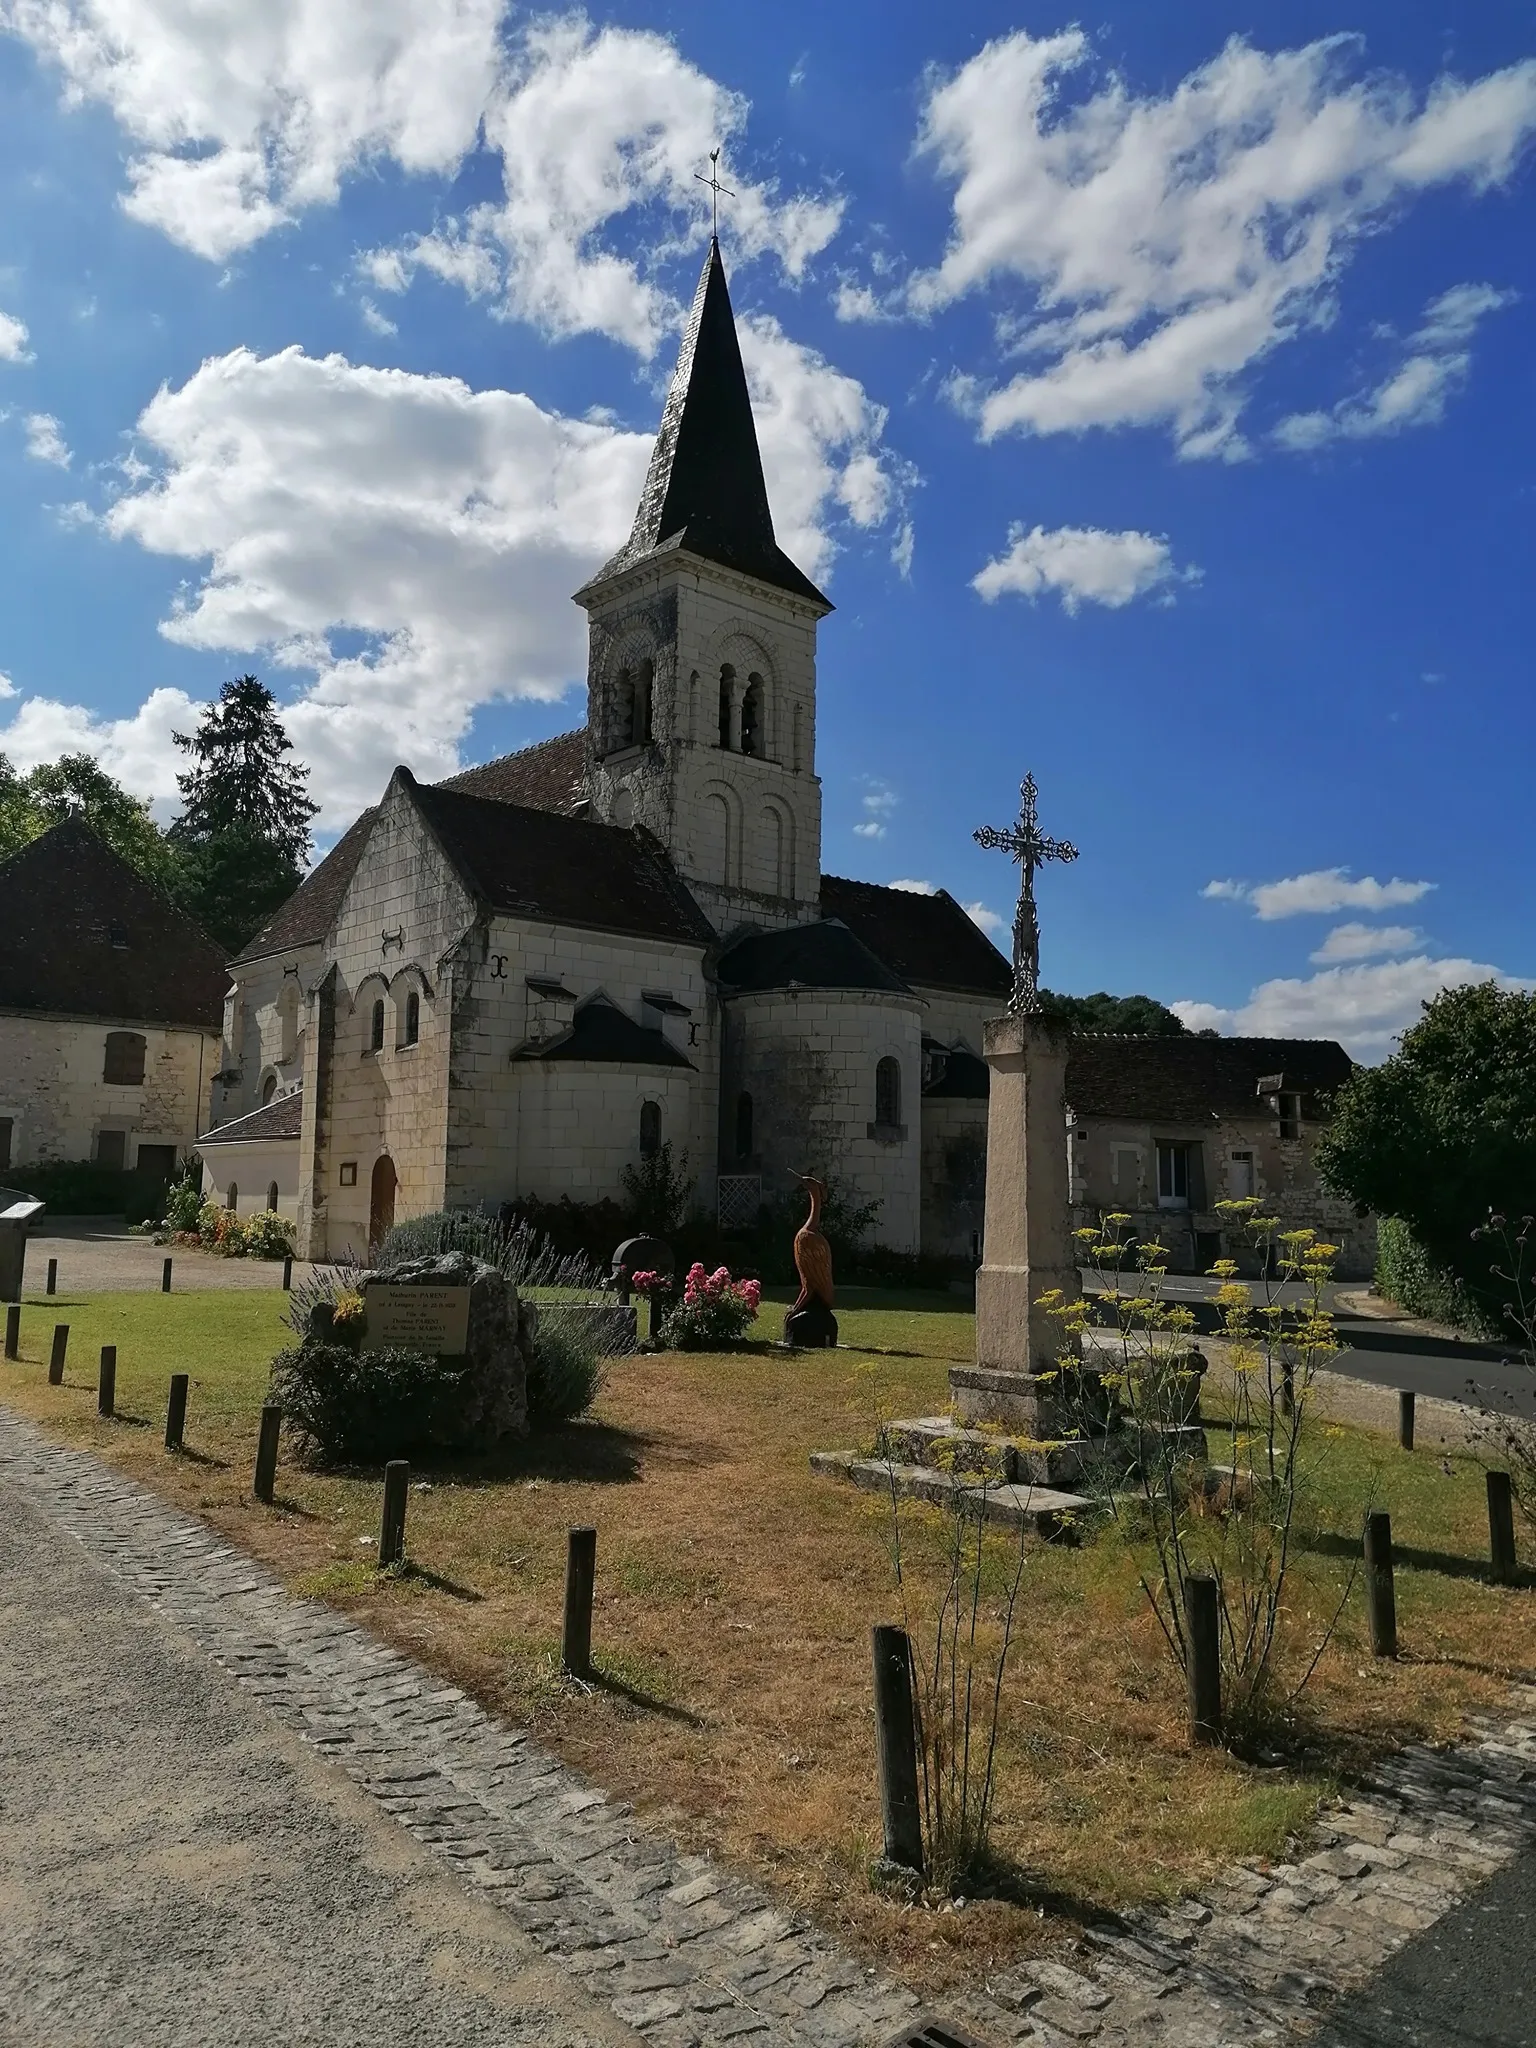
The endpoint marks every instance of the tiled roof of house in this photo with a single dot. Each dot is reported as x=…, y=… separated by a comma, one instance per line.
x=965, y=1077
x=311, y=910
x=283, y=1118
x=1193, y=1079
x=928, y=940
x=824, y=955
x=602, y=1032
x=705, y=490
x=548, y=777
x=82, y=934
x=537, y=864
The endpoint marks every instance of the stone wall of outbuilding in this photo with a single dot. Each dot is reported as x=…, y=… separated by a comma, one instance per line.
x=54, y=1095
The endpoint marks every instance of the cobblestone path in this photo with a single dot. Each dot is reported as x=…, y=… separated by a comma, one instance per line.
x=686, y=1955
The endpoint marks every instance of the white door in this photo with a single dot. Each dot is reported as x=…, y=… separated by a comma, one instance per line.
x=1240, y=1175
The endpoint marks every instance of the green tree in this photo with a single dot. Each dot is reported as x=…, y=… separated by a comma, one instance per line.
x=244, y=832
x=1137, y=1016
x=1445, y=1130
x=77, y=786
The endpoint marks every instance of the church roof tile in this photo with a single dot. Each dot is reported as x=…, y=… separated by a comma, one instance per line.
x=824, y=955
x=705, y=491
x=548, y=777
x=928, y=940
x=83, y=934
x=282, y=1119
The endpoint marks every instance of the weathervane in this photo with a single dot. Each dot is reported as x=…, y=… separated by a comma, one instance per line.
x=715, y=188
x=1030, y=847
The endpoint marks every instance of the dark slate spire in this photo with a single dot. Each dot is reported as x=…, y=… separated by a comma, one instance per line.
x=705, y=489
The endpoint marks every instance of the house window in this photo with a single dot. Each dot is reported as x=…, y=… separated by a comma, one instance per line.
x=412, y=1018
x=888, y=1092
x=271, y=1194
x=752, y=717
x=124, y=1064
x=232, y=1195
x=112, y=1150
x=376, y=1028
x=650, y=1129
x=743, y=1125
x=1240, y=1176
x=7, y=1128
x=1172, y=1176
x=1290, y=1115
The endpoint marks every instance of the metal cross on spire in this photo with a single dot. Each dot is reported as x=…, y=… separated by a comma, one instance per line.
x=1030, y=847
x=715, y=188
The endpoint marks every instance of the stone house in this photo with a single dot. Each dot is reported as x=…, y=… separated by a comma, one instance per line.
x=111, y=1006
x=524, y=980
x=1162, y=1129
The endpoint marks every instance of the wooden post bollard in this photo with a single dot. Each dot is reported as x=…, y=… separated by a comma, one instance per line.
x=106, y=1384
x=1380, y=1593
x=1501, y=1527
x=1405, y=1418
x=165, y=1277
x=176, y=1411
x=1202, y=1669
x=266, y=1451
x=51, y=1284
x=397, y=1482
x=580, y=1583
x=13, y=1330
x=56, y=1356
x=901, y=1813
x=288, y=1274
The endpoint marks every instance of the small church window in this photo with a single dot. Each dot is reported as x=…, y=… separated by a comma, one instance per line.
x=888, y=1093
x=752, y=717
x=727, y=692
x=650, y=1129
x=376, y=1028
x=232, y=1196
x=412, y=1019
x=622, y=723
x=268, y=1089
x=272, y=1194
x=743, y=1125
x=124, y=1062
x=640, y=723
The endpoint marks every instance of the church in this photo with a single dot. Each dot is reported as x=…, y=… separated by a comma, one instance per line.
x=522, y=980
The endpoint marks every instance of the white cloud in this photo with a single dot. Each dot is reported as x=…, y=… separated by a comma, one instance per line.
x=915, y=888
x=242, y=116
x=593, y=125
x=1320, y=891
x=13, y=340
x=1362, y=941
x=879, y=800
x=136, y=749
x=7, y=687
x=1081, y=565
x=1157, y=248
x=1437, y=360
x=988, y=920
x=375, y=321
x=1366, y=1008
x=45, y=439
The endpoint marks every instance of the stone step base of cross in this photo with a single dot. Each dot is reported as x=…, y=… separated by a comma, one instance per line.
x=1044, y=1510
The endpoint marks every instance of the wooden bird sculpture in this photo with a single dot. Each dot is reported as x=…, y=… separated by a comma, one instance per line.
x=811, y=1320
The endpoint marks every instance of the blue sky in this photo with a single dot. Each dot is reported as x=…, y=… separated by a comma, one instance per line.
x=1153, y=397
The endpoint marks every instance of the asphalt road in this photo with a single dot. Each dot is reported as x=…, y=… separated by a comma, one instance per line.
x=178, y=1871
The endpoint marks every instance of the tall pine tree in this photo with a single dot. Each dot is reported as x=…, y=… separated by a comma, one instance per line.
x=244, y=831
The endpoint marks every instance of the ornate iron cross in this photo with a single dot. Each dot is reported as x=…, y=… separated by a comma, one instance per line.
x=715, y=188
x=1030, y=847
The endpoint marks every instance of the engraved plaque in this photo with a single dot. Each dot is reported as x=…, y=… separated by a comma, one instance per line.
x=417, y=1319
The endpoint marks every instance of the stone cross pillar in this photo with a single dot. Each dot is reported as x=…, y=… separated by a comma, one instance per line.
x=1028, y=1244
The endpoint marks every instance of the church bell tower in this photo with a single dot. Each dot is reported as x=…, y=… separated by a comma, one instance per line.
x=701, y=674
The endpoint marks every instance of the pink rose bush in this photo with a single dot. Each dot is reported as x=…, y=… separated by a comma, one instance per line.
x=715, y=1310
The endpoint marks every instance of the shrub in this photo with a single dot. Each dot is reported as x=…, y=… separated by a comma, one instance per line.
x=1407, y=1275
x=183, y=1206
x=715, y=1310
x=269, y=1236
x=356, y=1407
x=220, y=1230
x=567, y=1374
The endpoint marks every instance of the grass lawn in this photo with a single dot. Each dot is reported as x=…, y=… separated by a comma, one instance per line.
x=736, y=1593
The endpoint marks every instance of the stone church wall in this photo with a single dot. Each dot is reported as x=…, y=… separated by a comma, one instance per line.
x=263, y=1029
x=54, y=1097
x=808, y=1061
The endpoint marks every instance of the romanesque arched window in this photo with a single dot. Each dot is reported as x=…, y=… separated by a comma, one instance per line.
x=743, y=1125
x=412, y=1019
x=888, y=1092
x=727, y=704
x=232, y=1196
x=271, y=1194
x=640, y=731
x=621, y=717
x=717, y=827
x=376, y=1027
x=778, y=851
x=650, y=1129
x=268, y=1089
x=123, y=1065
x=752, y=717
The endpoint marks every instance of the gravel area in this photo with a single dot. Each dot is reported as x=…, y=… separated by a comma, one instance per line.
x=178, y=1868
x=100, y=1255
